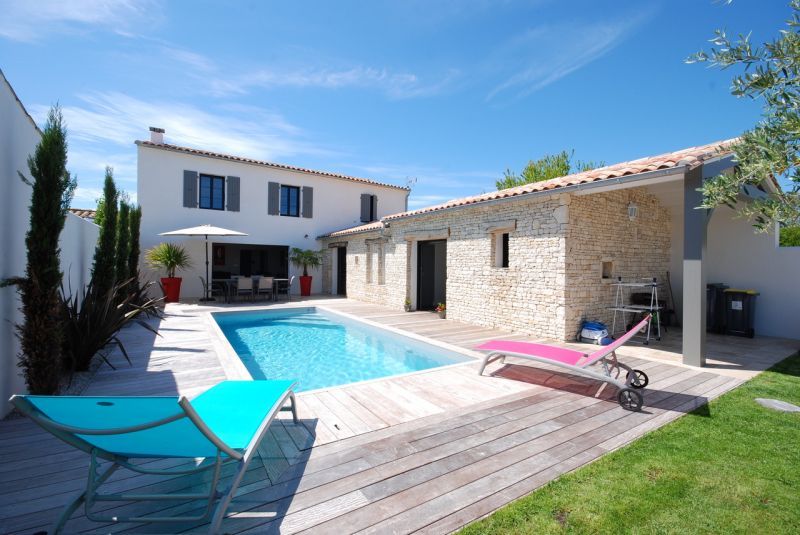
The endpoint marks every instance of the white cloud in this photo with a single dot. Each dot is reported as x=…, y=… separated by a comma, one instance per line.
x=396, y=85
x=86, y=197
x=547, y=53
x=34, y=20
x=120, y=119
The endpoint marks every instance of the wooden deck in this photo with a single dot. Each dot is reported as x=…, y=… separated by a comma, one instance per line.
x=426, y=452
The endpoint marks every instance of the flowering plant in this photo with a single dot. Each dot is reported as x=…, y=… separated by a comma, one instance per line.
x=440, y=307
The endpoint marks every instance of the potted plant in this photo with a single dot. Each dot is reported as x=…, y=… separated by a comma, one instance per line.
x=169, y=257
x=441, y=309
x=407, y=305
x=305, y=259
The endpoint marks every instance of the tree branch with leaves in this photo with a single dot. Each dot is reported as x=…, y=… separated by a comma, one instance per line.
x=771, y=149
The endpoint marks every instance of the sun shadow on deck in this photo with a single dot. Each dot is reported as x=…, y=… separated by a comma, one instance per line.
x=654, y=398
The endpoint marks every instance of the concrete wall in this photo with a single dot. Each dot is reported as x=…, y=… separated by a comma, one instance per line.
x=741, y=258
x=160, y=194
x=18, y=139
x=77, y=241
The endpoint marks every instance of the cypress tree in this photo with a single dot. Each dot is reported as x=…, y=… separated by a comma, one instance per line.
x=134, y=250
x=103, y=271
x=52, y=189
x=123, y=242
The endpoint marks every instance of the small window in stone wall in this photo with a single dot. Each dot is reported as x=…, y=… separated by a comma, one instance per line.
x=500, y=243
x=381, y=264
x=369, y=263
x=607, y=270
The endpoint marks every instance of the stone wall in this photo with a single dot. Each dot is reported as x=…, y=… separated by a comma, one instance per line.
x=557, y=244
x=600, y=230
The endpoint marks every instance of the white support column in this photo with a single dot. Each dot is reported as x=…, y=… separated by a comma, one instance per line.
x=695, y=224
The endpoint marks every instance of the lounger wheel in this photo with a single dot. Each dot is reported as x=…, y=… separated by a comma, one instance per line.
x=629, y=399
x=638, y=380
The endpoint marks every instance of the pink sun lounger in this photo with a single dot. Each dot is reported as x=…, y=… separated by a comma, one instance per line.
x=579, y=362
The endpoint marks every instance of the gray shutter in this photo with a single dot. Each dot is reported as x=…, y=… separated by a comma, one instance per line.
x=375, y=207
x=190, y=189
x=308, y=201
x=273, y=198
x=366, y=202
x=232, y=193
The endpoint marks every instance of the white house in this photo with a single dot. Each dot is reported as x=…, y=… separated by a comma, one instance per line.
x=277, y=206
x=19, y=136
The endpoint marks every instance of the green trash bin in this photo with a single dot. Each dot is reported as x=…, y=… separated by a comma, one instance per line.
x=740, y=312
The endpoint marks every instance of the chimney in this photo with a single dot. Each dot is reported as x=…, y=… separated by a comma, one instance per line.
x=156, y=135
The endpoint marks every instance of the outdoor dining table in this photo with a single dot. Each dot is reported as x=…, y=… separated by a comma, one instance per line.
x=231, y=284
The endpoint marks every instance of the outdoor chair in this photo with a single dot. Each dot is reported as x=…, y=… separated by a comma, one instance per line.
x=216, y=289
x=244, y=286
x=578, y=362
x=285, y=287
x=265, y=287
x=226, y=424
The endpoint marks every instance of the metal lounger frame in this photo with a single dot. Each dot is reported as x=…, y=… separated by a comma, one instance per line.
x=89, y=496
x=609, y=363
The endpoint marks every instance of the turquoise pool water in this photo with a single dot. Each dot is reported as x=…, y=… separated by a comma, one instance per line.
x=320, y=349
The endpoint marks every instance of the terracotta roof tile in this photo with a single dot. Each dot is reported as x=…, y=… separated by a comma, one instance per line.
x=200, y=152
x=84, y=212
x=692, y=156
x=375, y=225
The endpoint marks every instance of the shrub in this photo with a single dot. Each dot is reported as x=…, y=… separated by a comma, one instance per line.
x=52, y=189
x=93, y=318
x=790, y=237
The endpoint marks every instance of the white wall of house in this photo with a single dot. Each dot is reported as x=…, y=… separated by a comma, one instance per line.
x=18, y=139
x=741, y=258
x=337, y=205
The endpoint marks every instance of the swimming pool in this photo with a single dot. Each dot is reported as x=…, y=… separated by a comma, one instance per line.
x=319, y=348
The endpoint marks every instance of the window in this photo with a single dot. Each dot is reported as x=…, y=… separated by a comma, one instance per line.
x=500, y=246
x=212, y=192
x=606, y=269
x=369, y=208
x=290, y=201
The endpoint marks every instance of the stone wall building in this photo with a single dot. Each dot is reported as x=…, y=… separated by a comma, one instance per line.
x=557, y=245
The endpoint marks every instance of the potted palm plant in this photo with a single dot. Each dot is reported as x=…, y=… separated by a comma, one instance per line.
x=169, y=257
x=305, y=259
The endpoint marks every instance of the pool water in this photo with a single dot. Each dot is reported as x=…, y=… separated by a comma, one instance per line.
x=321, y=349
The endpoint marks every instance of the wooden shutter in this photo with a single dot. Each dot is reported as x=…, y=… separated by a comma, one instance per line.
x=190, y=189
x=273, y=198
x=374, y=207
x=232, y=194
x=366, y=204
x=308, y=201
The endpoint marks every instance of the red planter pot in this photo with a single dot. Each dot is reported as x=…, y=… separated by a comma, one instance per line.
x=305, y=285
x=172, y=289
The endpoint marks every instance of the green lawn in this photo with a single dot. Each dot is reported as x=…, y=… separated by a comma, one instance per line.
x=730, y=467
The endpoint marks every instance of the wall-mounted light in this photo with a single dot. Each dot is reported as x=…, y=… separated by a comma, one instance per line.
x=633, y=211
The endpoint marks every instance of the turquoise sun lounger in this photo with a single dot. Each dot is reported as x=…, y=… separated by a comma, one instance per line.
x=226, y=423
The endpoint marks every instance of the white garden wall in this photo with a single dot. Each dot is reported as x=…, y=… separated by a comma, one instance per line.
x=18, y=139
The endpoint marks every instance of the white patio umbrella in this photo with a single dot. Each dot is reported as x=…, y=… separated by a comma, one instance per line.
x=206, y=231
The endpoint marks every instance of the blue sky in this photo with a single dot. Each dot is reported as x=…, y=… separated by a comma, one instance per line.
x=447, y=94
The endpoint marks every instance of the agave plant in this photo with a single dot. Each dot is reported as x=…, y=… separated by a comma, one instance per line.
x=92, y=320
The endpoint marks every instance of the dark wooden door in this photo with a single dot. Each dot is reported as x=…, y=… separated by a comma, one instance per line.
x=341, y=271
x=431, y=274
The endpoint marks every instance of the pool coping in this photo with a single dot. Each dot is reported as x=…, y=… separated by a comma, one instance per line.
x=235, y=369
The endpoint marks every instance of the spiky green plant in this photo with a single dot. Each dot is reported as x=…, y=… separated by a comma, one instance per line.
x=169, y=257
